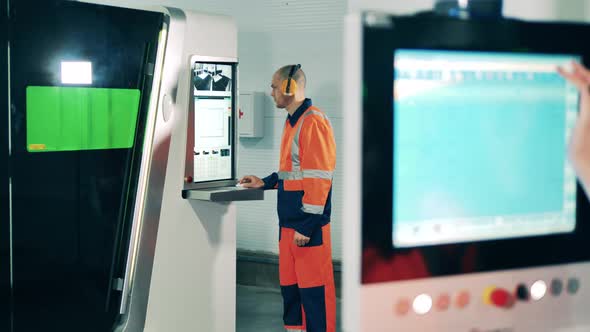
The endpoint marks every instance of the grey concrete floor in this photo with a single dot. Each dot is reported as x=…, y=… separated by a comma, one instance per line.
x=261, y=310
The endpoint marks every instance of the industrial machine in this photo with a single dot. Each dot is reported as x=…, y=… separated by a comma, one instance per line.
x=119, y=168
x=462, y=210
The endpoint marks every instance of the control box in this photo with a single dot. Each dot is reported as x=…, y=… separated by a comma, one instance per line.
x=251, y=115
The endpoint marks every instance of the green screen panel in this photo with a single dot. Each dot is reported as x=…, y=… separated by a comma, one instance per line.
x=74, y=118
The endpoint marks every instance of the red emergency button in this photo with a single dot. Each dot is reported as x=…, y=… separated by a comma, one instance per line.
x=498, y=297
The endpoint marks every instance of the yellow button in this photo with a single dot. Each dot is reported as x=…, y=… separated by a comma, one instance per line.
x=487, y=294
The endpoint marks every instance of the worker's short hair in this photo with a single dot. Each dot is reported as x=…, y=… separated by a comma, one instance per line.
x=298, y=76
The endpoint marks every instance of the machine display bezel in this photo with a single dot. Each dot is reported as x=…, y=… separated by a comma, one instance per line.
x=189, y=168
x=382, y=36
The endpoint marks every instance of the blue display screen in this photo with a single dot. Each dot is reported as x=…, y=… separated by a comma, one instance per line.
x=480, y=144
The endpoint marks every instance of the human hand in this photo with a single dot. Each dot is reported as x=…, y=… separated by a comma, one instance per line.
x=300, y=239
x=579, y=149
x=580, y=77
x=251, y=181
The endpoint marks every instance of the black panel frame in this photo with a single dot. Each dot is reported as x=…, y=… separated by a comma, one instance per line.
x=5, y=286
x=232, y=131
x=430, y=31
x=72, y=210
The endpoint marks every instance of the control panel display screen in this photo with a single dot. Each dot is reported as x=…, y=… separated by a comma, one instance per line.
x=213, y=109
x=480, y=144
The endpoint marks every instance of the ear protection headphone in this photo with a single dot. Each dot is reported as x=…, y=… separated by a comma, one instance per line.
x=289, y=86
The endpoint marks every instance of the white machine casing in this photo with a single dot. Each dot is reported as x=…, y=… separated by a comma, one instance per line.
x=181, y=269
x=194, y=275
x=372, y=307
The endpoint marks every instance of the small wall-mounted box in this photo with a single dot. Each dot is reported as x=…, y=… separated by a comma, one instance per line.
x=251, y=115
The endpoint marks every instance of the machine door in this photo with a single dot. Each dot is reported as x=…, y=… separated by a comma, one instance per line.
x=5, y=297
x=81, y=78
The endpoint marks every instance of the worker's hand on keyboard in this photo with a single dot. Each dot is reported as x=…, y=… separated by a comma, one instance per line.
x=251, y=181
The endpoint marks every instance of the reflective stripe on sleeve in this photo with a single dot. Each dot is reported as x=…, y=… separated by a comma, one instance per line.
x=310, y=173
x=313, y=209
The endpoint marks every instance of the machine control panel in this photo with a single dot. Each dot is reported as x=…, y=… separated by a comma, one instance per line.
x=476, y=220
x=211, y=149
x=493, y=296
x=463, y=302
x=213, y=122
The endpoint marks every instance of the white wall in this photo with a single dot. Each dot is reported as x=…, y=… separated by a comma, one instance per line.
x=273, y=33
x=566, y=10
x=398, y=7
x=548, y=10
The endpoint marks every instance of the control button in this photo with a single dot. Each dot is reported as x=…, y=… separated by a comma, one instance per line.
x=522, y=292
x=556, y=287
x=443, y=302
x=487, y=293
x=573, y=285
x=538, y=290
x=402, y=307
x=462, y=300
x=498, y=297
x=422, y=304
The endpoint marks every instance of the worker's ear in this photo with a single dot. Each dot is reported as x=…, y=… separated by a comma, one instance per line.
x=289, y=86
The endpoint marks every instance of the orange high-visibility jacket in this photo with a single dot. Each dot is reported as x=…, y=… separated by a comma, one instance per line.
x=307, y=163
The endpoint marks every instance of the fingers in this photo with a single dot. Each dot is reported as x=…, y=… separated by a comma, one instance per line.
x=250, y=181
x=580, y=77
x=572, y=78
x=581, y=71
x=300, y=241
x=243, y=182
x=246, y=179
x=248, y=185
